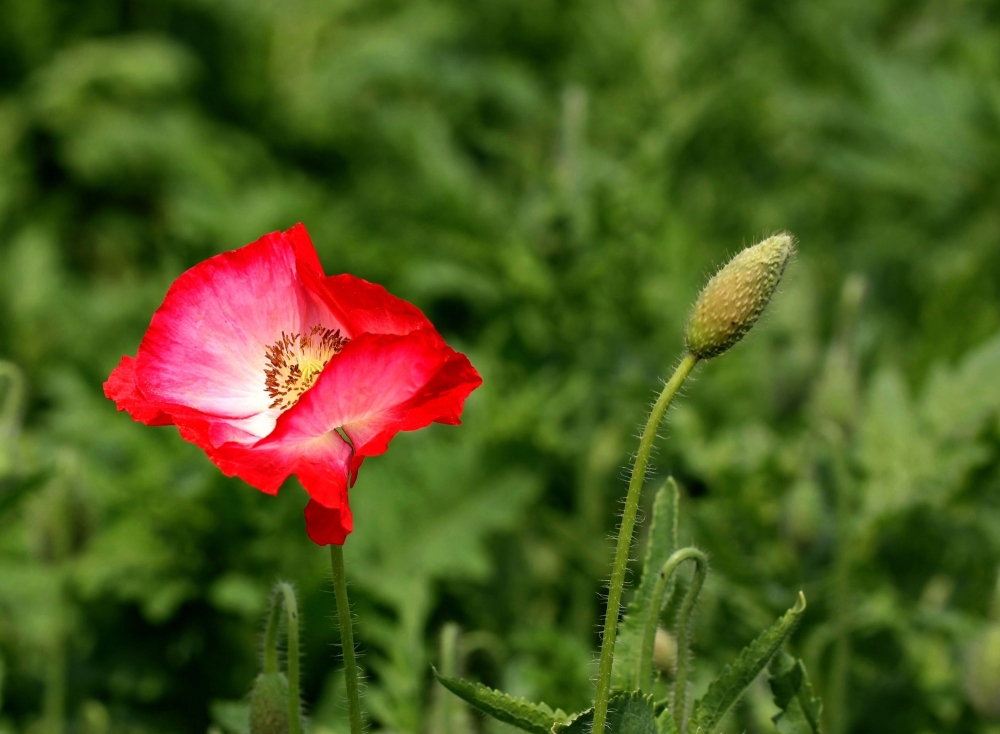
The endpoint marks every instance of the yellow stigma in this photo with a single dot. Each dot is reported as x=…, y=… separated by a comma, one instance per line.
x=736, y=296
x=296, y=360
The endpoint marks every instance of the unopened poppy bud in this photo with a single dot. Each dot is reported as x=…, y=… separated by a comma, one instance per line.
x=664, y=652
x=735, y=297
x=269, y=704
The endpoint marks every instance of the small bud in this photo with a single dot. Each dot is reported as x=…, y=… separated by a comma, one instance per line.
x=664, y=652
x=734, y=298
x=269, y=704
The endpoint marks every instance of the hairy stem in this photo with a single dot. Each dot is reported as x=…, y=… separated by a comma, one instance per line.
x=346, y=637
x=292, y=662
x=284, y=593
x=271, y=635
x=659, y=593
x=625, y=538
x=684, y=635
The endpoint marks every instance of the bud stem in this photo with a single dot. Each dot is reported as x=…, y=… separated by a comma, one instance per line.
x=625, y=537
x=684, y=631
x=283, y=592
x=346, y=637
x=659, y=593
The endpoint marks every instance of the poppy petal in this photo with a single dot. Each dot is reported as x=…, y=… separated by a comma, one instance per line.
x=205, y=348
x=325, y=526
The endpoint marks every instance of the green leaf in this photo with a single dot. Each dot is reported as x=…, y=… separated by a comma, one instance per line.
x=629, y=712
x=665, y=722
x=233, y=717
x=727, y=688
x=662, y=543
x=533, y=717
x=793, y=694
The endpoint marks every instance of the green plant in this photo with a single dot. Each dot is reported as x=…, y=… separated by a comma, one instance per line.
x=725, y=311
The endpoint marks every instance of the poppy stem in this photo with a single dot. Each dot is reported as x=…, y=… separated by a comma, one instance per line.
x=346, y=637
x=283, y=592
x=624, y=544
x=645, y=676
x=292, y=661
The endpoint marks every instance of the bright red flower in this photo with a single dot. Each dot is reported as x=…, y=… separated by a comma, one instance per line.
x=264, y=362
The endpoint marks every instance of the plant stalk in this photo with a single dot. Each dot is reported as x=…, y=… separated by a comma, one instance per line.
x=684, y=638
x=659, y=592
x=271, y=635
x=346, y=637
x=625, y=538
x=292, y=661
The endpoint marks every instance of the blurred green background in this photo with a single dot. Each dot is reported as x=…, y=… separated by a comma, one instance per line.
x=551, y=181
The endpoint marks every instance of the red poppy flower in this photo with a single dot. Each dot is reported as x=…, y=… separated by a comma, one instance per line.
x=268, y=365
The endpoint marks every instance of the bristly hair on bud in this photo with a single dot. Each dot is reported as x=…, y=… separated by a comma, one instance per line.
x=735, y=297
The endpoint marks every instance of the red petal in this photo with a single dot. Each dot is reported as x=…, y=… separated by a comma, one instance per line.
x=205, y=348
x=121, y=388
x=381, y=384
x=321, y=463
x=325, y=526
x=366, y=308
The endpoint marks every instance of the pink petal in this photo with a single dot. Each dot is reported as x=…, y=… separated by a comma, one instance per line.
x=379, y=385
x=205, y=347
x=367, y=308
x=121, y=388
x=320, y=462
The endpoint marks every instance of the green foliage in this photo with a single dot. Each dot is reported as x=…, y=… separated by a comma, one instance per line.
x=793, y=694
x=661, y=543
x=532, y=717
x=629, y=712
x=550, y=182
x=729, y=685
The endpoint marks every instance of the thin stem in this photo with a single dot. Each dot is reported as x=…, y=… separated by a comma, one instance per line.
x=346, y=637
x=659, y=592
x=684, y=638
x=625, y=538
x=271, y=635
x=292, y=663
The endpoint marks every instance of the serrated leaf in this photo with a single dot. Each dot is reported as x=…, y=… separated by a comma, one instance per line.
x=629, y=712
x=793, y=694
x=533, y=717
x=665, y=722
x=726, y=689
x=662, y=543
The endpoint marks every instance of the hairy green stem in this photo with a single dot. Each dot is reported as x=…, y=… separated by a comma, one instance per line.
x=684, y=636
x=292, y=662
x=625, y=538
x=284, y=593
x=645, y=676
x=346, y=637
x=271, y=635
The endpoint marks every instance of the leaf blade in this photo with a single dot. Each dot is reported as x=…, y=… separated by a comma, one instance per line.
x=793, y=694
x=726, y=689
x=531, y=717
x=629, y=712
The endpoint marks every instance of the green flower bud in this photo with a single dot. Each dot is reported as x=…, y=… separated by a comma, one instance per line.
x=269, y=704
x=734, y=298
x=664, y=652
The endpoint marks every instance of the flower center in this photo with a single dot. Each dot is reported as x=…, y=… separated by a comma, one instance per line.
x=295, y=361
